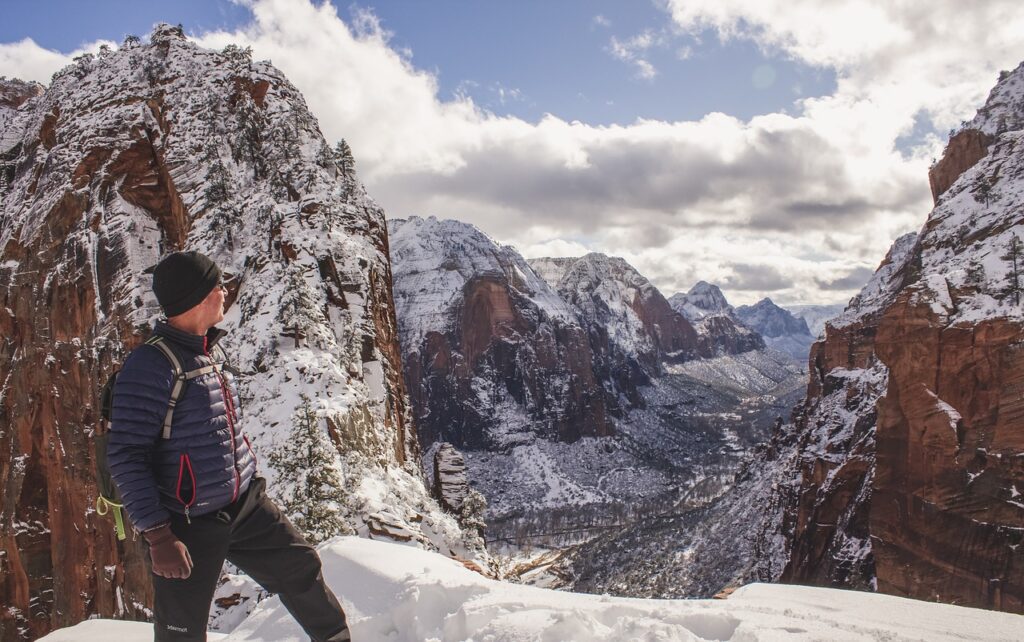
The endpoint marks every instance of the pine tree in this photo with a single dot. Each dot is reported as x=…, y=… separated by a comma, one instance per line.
x=299, y=308
x=471, y=518
x=217, y=189
x=983, y=191
x=306, y=464
x=343, y=157
x=1014, y=255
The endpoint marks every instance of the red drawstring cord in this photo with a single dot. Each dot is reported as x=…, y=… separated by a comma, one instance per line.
x=229, y=406
x=182, y=462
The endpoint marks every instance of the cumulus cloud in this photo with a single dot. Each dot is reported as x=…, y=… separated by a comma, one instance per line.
x=28, y=61
x=940, y=57
x=825, y=184
x=806, y=198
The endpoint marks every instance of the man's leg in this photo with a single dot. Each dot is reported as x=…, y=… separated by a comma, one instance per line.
x=266, y=546
x=181, y=608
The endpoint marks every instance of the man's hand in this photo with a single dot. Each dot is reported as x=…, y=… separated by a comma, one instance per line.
x=170, y=557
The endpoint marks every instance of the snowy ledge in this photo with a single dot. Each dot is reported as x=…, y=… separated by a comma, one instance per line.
x=395, y=592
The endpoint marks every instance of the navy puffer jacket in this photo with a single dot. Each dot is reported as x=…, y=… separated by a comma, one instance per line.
x=206, y=464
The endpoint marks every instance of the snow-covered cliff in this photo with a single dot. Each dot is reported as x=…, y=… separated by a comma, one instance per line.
x=720, y=329
x=129, y=155
x=573, y=389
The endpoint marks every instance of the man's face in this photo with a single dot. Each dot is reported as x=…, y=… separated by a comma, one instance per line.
x=213, y=307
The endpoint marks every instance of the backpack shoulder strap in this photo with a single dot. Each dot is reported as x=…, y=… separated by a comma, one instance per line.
x=179, y=380
x=216, y=364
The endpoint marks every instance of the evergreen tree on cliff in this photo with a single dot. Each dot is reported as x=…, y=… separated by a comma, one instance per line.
x=299, y=313
x=343, y=157
x=305, y=464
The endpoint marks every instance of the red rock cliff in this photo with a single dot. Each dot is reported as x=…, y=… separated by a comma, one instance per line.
x=125, y=157
x=915, y=486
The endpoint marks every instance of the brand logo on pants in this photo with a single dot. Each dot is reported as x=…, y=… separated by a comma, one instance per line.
x=179, y=629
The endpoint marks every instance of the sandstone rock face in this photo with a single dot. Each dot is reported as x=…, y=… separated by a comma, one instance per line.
x=910, y=462
x=451, y=486
x=965, y=149
x=493, y=355
x=128, y=156
x=947, y=517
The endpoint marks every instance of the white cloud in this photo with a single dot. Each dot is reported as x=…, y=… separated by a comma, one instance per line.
x=813, y=197
x=602, y=21
x=28, y=61
x=939, y=56
x=633, y=51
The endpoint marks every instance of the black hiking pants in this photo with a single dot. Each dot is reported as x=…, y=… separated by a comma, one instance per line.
x=254, y=535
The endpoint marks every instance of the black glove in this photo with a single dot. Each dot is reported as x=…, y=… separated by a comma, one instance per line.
x=170, y=557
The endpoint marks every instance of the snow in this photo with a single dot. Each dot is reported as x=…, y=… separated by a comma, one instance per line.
x=756, y=372
x=400, y=593
x=952, y=416
x=702, y=300
x=882, y=287
x=107, y=630
x=606, y=290
x=433, y=260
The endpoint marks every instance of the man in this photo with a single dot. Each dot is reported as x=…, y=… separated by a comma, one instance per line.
x=190, y=486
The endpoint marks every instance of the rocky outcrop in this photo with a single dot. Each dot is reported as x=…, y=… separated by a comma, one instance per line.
x=720, y=335
x=947, y=515
x=127, y=156
x=451, y=485
x=964, y=149
x=910, y=452
x=14, y=93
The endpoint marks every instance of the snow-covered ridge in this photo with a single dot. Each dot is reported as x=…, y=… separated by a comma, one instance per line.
x=164, y=145
x=702, y=300
x=402, y=594
x=1004, y=109
x=883, y=285
x=433, y=260
x=771, y=320
x=604, y=289
x=968, y=245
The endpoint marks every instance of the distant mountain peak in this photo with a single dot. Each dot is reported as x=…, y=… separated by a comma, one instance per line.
x=771, y=320
x=702, y=300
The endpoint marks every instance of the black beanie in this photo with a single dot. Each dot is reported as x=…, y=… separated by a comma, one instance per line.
x=182, y=280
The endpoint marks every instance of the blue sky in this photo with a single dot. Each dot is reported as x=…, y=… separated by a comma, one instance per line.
x=557, y=54
x=773, y=147
x=524, y=58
